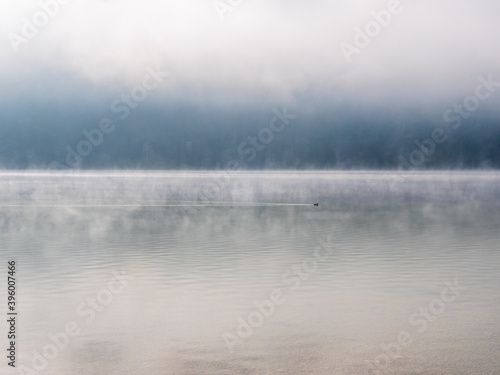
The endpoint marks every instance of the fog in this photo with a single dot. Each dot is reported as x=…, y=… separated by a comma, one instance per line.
x=220, y=74
x=167, y=166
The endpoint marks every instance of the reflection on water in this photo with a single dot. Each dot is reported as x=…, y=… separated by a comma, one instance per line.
x=172, y=273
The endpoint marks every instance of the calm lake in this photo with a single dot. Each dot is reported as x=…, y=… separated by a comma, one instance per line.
x=239, y=273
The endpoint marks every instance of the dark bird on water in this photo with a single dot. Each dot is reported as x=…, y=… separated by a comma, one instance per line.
x=316, y=204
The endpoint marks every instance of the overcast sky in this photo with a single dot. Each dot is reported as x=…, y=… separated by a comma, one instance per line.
x=252, y=53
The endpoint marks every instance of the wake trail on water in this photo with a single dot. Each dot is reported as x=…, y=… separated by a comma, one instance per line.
x=179, y=204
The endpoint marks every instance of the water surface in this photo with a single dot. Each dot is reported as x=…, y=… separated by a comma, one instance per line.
x=157, y=270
